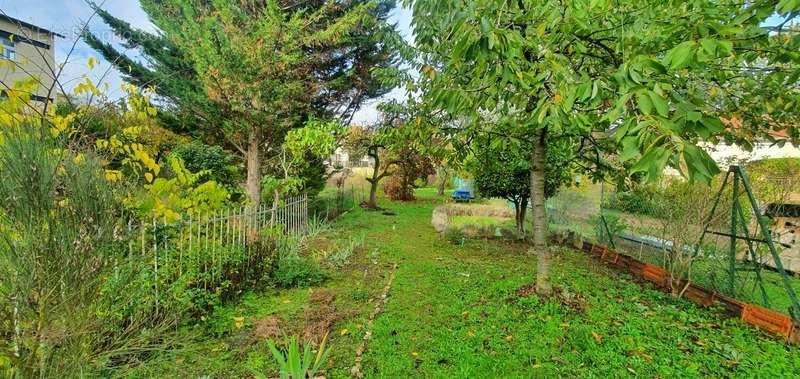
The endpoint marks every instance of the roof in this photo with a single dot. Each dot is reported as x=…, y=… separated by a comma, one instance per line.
x=28, y=25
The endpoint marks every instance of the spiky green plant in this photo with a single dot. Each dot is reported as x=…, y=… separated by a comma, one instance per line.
x=293, y=364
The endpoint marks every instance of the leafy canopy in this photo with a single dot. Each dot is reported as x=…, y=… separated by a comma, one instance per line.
x=656, y=76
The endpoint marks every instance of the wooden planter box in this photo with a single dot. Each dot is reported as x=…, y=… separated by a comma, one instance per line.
x=609, y=257
x=636, y=267
x=767, y=319
x=624, y=262
x=655, y=274
x=733, y=306
x=699, y=295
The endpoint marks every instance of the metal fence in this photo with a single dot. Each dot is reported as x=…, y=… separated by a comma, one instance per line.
x=663, y=225
x=231, y=227
x=210, y=245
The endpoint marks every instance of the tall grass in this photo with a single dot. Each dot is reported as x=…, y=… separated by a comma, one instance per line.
x=59, y=248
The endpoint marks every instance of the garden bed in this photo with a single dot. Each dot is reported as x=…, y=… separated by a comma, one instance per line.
x=475, y=221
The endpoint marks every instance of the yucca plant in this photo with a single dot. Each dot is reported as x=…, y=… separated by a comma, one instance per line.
x=294, y=365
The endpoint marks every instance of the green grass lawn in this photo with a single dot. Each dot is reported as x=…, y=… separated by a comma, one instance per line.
x=453, y=312
x=481, y=221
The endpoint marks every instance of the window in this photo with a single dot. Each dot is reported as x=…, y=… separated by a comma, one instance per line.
x=9, y=49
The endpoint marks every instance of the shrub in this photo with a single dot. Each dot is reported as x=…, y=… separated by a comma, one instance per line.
x=216, y=164
x=394, y=189
x=410, y=166
x=643, y=201
x=296, y=271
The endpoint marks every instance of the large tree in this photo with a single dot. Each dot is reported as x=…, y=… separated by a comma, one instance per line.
x=226, y=67
x=501, y=168
x=644, y=80
x=372, y=141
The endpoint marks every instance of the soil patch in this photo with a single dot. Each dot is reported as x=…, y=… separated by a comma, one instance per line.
x=321, y=315
x=267, y=328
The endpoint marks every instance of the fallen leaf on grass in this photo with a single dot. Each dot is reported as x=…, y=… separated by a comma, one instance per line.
x=509, y=338
x=238, y=322
x=597, y=337
x=640, y=354
x=343, y=332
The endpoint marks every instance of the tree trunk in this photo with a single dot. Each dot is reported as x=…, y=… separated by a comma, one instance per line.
x=253, y=156
x=539, y=230
x=517, y=217
x=372, y=203
x=442, y=180
x=523, y=211
x=276, y=199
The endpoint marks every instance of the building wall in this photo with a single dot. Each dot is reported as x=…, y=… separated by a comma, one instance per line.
x=342, y=158
x=31, y=60
x=726, y=155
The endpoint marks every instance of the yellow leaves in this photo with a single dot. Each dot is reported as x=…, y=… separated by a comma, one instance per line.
x=92, y=62
x=509, y=338
x=414, y=354
x=238, y=322
x=163, y=212
x=79, y=158
x=61, y=124
x=148, y=176
x=86, y=86
x=598, y=338
x=144, y=158
x=343, y=332
x=429, y=71
x=113, y=175
x=132, y=131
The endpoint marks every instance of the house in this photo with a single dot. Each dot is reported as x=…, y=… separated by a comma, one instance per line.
x=341, y=159
x=726, y=155
x=31, y=51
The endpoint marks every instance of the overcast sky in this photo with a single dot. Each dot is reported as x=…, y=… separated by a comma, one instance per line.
x=67, y=16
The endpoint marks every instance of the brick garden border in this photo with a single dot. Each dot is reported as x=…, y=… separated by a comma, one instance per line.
x=773, y=322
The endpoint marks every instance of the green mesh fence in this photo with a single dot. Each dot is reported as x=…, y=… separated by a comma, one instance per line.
x=662, y=224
